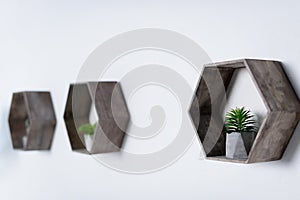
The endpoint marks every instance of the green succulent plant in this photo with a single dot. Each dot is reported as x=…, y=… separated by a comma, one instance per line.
x=240, y=120
x=88, y=129
x=27, y=125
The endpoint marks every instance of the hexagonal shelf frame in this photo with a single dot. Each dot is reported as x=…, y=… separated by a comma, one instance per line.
x=112, y=113
x=32, y=120
x=279, y=98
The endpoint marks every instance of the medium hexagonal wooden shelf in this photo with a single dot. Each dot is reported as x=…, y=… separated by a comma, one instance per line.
x=277, y=93
x=112, y=113
x=32, y=120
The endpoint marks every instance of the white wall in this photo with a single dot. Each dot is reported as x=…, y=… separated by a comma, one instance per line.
x=43, y=45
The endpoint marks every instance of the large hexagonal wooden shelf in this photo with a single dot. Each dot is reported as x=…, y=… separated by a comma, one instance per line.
x=32, y=120
x=112, y=114
x=277, y=93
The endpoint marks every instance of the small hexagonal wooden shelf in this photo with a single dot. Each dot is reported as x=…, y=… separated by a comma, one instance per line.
x=32, y=120
x=277, y=93
x=112, y=113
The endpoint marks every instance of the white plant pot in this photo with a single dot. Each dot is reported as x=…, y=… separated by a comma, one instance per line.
x=88, y=139
x=235, y=148
x=24, y=141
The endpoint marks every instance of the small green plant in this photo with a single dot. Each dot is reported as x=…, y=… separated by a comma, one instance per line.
x=87, y=129
x=240, y=120
x=27, y=125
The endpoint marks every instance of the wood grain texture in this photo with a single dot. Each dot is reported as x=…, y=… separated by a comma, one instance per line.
x=273, y=85
x=112, y=114
x=210, y=98
x=37, y=108
x=275, y=90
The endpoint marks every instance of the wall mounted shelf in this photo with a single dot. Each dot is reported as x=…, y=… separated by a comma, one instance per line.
x=277, y=93
x=112, y=113
x=32, y=120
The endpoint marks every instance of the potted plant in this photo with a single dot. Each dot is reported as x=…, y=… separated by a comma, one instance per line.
x=88, y=130
x=27, y=129
x=241, y=130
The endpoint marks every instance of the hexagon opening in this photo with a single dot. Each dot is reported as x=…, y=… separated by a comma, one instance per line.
x=278, y=95
x=108, y=135
x=32, y=120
